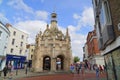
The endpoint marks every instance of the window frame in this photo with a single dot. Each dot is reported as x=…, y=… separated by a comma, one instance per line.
x=11, y=50
x=0, y=34
x=105, y=16
x=14, y=33
x=21, y=44
x=13, y=41
x=22, y=36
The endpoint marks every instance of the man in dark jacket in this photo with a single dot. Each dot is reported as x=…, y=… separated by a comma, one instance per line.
x=5, y=70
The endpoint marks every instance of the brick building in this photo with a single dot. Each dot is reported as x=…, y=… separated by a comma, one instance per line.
x=94, y=55
x=107, y=23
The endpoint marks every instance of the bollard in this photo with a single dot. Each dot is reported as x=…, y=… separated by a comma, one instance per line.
x=16, y=71
x=0, y=73
x=26, y=71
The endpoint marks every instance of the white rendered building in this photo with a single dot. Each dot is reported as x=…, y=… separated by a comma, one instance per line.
x=17, y=41
x=4, y=36
x=16, y=49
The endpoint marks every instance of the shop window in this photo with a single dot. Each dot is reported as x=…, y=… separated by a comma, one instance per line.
x=116, y=60
x=109, y=64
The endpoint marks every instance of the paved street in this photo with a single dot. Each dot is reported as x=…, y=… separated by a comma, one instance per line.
x=89, y=75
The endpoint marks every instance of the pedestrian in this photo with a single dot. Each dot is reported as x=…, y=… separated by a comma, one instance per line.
x=5, y=71
x=83, y=69
x=9, y=67
x=26, y=69
x=104, y=68
x=97, y=71
x=11, y=73
x=72, y=68
x=77, y=68
x=101, y=69
x=80, y=65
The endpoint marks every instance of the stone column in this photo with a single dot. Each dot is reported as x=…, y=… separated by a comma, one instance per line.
x=53, y=64
x=37, y=66
x=66, y=65
x=41, y=64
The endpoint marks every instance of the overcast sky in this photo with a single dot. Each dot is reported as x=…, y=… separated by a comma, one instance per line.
x=31, y=16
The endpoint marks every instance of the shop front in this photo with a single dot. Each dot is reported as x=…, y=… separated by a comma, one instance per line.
x=16, y=61
x=112, y=60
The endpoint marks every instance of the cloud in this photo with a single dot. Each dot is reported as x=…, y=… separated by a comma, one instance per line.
x=34, y=26
x=19, y=4
x=31, y=27
x=86, y=18
x=42, y=15
x=3, y=18
x=0, y=1
x=77, y=39
x=76, y=16
x=42, y=1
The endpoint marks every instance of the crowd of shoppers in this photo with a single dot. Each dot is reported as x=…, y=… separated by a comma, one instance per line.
x=80, y=68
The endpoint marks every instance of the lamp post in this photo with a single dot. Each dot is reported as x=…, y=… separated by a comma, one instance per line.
x=26, y=67
x=16, y=70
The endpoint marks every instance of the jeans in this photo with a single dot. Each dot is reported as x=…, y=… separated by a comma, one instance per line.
x=97, y=74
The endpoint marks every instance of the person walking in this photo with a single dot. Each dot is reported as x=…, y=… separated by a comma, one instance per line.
x=72, y=68
x=97, y=71
x=83, y=69
x=26, y=70
x=101, y=69
x=77, y=68
x=5, y=71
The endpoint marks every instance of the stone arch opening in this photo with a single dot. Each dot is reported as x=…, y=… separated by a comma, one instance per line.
x=46, y=63
x=59, y=62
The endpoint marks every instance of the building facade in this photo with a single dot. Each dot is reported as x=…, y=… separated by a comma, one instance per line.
x=94, y=55
x=4, y=36
x=53, y=49
x=16, y=46
x=107, y=22
x=30, y=49
x=85, y=50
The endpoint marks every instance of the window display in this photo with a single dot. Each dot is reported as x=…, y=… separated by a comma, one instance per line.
x=116, y=59
x=109, y=63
